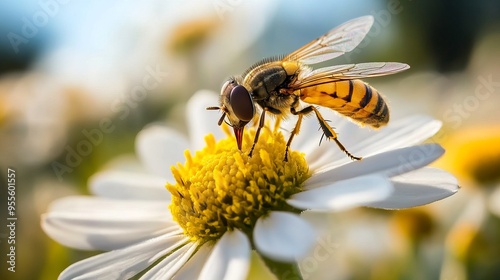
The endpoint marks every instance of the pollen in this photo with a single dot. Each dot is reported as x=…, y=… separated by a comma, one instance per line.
x=221, y=188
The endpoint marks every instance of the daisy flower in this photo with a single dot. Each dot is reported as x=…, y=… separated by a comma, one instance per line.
x=474, y=156
x=224, y=204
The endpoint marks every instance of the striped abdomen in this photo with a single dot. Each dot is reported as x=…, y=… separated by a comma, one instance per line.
x=352, y=98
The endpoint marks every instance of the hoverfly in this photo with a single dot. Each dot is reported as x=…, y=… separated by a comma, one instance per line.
x=277, y=86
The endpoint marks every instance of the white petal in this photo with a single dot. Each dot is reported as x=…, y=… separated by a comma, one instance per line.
x=398, y=134
x=401, y=133
x=193, y=267
x=419, y=187
x=123, y=263
x=343, y=194
x=106, y=206
x=104, y=224
x=200, y=121
x=230, y=258
x=494, y=202
x=283, y=236
x=474, y=212
x=159, y=148
x=390, y=164
x=127, y=185
x=167, y=267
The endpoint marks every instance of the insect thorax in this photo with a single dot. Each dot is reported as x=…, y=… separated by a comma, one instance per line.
x=266, y=82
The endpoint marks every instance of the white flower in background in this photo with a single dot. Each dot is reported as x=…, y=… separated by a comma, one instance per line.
x=221, y=201
x=473, y=154
x=32, y=126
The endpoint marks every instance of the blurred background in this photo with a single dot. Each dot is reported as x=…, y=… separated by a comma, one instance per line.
x=71, y=70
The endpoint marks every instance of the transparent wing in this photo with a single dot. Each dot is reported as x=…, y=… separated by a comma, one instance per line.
x=342, y=39
x=347, y=72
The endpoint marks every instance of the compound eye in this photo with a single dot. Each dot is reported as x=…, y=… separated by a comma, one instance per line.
x=242, y=103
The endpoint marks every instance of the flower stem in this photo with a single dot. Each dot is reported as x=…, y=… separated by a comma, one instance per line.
x=283, y=270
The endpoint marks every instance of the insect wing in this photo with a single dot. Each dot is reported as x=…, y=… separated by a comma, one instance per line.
x=338, y=41
x=348, y=72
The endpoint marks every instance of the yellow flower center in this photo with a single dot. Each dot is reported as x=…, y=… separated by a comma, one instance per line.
x=221, y=188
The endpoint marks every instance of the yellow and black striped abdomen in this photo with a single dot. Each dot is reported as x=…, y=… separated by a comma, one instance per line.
x=352, y=98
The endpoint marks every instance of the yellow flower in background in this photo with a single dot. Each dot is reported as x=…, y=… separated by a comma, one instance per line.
x=473, y=155
x=414, y=224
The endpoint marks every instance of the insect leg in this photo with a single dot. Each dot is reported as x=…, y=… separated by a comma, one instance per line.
x=296, y=129
x=327, y=130
x=257, y=133
x=330, y=133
